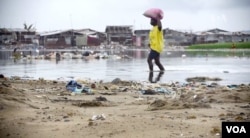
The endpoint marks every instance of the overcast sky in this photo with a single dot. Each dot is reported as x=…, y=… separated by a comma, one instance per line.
x=187, y=15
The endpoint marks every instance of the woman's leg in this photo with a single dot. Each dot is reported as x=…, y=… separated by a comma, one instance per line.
x=158, y=63
x=150, y=63
x=151, y=56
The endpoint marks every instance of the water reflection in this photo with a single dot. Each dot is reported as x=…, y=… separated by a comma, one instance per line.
x=141, y=54
x=151, y=76
x=196, y=63
x=57, y=60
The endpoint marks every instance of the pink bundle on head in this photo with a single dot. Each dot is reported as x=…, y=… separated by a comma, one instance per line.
x=154, y=13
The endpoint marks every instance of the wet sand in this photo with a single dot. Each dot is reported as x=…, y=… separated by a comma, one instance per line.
x=44, y=108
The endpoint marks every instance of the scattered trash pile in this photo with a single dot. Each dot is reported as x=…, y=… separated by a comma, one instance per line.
x=195, y=93
x=152, y=89
x=74, y=87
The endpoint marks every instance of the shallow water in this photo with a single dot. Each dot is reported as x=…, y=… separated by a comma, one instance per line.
x=178, y=67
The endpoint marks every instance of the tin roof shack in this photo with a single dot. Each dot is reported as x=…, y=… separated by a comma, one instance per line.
x=243, y=36
x=13, y=36
x=89, y=37
x=177, y=38
x=59, y=39
x=122, y=35
x=142, y=38
x=214, y=36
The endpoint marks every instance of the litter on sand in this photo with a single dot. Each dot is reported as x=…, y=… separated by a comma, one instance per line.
x=73, y=86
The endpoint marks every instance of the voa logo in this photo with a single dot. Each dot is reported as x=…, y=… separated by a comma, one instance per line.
x=236, y=129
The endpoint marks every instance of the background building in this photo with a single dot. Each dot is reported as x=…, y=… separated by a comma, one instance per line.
x=71, y=38
x=142, y=38
x=17, y=36
x=122, y=35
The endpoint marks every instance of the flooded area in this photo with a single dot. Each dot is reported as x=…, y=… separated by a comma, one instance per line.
x=231, y=66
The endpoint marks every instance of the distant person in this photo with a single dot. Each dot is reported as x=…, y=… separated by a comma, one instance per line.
x=155, y=44
x=233, y=46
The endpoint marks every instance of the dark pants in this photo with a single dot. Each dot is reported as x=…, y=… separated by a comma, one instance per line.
x=153, y=55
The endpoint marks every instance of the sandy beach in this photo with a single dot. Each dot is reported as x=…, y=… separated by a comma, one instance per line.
x=44, y=108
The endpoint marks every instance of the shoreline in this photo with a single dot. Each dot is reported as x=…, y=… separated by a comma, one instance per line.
x=44, y=108
x=130, y=49
x=205, y=80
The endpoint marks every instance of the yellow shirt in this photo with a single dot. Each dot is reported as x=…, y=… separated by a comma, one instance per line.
x=156, y=39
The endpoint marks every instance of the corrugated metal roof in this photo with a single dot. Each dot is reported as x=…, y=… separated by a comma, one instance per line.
x=225, y=33
x=54, y=32
x=88, y=31
x=119, y=29
x=203, y=33
x=214, y=31
x=79, y=31
x=17, y=30
x=246, y=32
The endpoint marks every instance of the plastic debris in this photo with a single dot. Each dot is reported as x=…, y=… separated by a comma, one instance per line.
x=73, y=86
x=232, y=86
x=155, y=90
x=86, y=90
x=148, y=92
x=98, y=117
x=162, y=90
